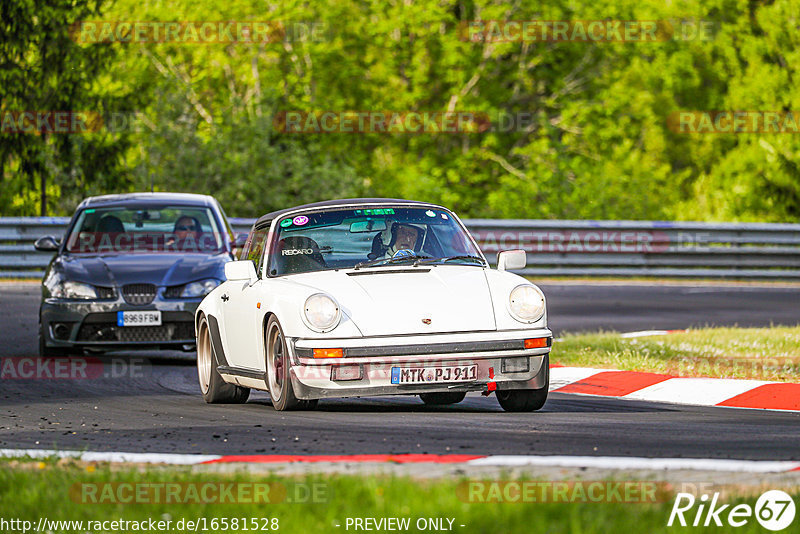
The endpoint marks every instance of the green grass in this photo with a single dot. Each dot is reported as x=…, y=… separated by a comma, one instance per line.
x=757, y=353
x=29, y=490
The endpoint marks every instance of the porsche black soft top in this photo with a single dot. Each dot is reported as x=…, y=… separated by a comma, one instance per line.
x=345, y=202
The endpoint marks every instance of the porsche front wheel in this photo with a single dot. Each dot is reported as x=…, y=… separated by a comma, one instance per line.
x=526, y=400
x=214, y=389
x=441, y=399
x=278, y=372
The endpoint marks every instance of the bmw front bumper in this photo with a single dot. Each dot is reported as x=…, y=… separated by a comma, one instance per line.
x=77, y=324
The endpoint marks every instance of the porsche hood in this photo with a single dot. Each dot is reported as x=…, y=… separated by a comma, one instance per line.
x=416, y=300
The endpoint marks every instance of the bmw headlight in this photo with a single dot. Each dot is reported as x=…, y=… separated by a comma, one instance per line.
x=526, y=303
x=200, y=288
x=73, y=290
x=321, y=312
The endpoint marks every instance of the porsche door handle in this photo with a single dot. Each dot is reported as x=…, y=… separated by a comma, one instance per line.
x=225, y=298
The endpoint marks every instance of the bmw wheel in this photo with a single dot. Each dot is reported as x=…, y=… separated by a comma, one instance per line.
x=50, y=352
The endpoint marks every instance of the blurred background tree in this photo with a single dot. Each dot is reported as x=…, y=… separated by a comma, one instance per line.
x=199, y=117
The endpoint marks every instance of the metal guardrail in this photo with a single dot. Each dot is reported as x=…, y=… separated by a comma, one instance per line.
x=646, y=248
x=18, y=258
x=555, y=248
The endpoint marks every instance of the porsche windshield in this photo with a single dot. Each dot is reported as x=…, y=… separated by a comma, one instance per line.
x=159, y=229
x=343, y=239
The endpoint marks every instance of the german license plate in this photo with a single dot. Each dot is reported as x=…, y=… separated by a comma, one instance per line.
x=432, y=375
x=139, y=318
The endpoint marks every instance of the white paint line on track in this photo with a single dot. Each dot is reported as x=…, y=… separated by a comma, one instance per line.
x=599, y=462
x=644, y=333
x=653, y=464
x=647, y=333
x=131, y=457
x=151, y=458
x=562, y=376
x=699, y=391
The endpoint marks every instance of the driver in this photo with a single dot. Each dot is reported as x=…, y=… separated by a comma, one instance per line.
x=185, y=233
x=187, y=226
x=404, y=237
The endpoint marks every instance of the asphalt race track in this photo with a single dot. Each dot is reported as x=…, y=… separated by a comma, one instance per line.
x=155, y=406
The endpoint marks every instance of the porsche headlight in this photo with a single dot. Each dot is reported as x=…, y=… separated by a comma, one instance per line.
x=74, y=290
x=200, y=288
x=321, y=312
x=526, y=303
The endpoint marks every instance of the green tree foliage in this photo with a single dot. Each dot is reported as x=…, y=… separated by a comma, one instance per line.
x=579, y=128
x=43, y=70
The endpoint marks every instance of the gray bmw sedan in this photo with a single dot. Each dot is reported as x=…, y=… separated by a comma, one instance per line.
x=131, y=271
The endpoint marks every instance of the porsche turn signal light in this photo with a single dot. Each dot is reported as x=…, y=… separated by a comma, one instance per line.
x=328, y=353
x=536, y=343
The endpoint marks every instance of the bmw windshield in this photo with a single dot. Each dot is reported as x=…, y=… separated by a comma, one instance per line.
x=355, y=238
x=150, y=229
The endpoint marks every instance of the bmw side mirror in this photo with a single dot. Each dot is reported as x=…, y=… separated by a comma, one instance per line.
x=243, y=270
x=510, y=260
x=47, y=243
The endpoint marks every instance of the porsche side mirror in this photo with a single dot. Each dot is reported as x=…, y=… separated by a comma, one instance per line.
x=47, y=243
x=510, y=260
x=241, y=270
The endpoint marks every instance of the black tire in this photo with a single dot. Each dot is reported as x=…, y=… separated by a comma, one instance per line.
x=48, y=352
x=440, y=399
x=279, y=382
x=51, y=352
x=214, y=389
x=525, y=400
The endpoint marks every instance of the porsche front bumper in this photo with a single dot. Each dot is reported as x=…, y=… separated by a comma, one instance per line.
x=500, y=357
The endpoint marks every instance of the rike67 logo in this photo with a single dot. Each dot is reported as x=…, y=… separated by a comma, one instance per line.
x=774, y=510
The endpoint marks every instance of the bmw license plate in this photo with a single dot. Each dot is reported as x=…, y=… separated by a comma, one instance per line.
x=432, y=375
x=139, y=318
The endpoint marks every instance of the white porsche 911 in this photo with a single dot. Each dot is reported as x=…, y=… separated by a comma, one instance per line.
x=364, y=297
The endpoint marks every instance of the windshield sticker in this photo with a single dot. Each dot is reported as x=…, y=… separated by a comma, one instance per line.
x=380, y=211
x=444, y=216
x=285, y=223
x=430, y=213
x=300, y=220
x=296, y=251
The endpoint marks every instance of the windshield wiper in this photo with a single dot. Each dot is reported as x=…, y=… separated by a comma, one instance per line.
x=388, y=261
x=464, y=257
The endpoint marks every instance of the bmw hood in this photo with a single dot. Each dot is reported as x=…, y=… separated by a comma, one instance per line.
x=418, y=300
x=159, y=269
